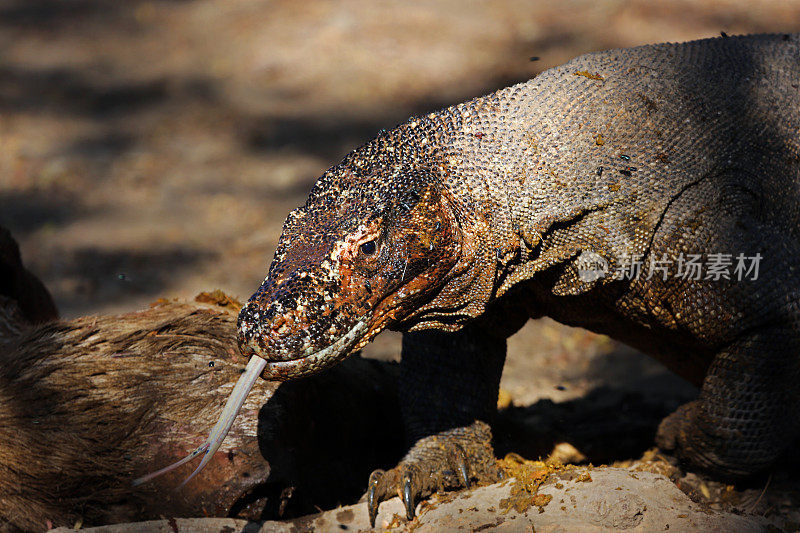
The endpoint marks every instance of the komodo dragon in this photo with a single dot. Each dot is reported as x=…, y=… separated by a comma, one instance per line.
x=543, y=199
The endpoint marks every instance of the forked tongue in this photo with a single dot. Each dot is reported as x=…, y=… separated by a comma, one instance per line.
x=223, y=425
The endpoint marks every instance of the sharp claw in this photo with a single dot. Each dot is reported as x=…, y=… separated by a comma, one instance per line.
x=461, y=466
x=372, y=500
x=408, y=496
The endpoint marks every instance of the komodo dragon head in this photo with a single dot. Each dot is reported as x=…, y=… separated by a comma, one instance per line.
x=374, y=242
x=375, y=239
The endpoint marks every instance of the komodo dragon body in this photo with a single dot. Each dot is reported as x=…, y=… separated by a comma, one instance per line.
x=459, y=226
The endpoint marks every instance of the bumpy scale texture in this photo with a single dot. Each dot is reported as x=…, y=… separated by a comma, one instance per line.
x=469, y=221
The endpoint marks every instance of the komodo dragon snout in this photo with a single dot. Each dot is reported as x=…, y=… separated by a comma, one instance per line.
x=360, y=255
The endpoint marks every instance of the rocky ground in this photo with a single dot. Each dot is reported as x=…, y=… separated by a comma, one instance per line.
x=153, y=148
x=579, y=499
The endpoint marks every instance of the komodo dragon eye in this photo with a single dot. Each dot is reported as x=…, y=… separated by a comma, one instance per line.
x=368, y=248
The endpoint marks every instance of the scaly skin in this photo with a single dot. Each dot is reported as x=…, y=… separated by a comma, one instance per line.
x=475, y=218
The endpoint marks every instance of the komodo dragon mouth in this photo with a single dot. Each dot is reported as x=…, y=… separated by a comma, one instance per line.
x=281, y=370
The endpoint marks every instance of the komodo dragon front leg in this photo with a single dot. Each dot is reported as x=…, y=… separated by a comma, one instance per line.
x=448, y=393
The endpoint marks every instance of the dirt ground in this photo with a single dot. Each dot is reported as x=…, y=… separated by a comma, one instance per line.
x=153, y=148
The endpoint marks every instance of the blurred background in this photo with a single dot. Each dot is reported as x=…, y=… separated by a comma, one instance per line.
x=153, y=148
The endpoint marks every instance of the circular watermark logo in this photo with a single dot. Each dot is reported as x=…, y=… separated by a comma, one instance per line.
x=591, y=266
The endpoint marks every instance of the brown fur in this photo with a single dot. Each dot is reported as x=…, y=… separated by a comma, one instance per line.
x=87, y=405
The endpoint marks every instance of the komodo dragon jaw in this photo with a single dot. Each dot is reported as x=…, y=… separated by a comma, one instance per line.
x=363, y=253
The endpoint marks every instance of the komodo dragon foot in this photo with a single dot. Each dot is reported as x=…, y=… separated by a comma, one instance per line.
x=449, y=460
